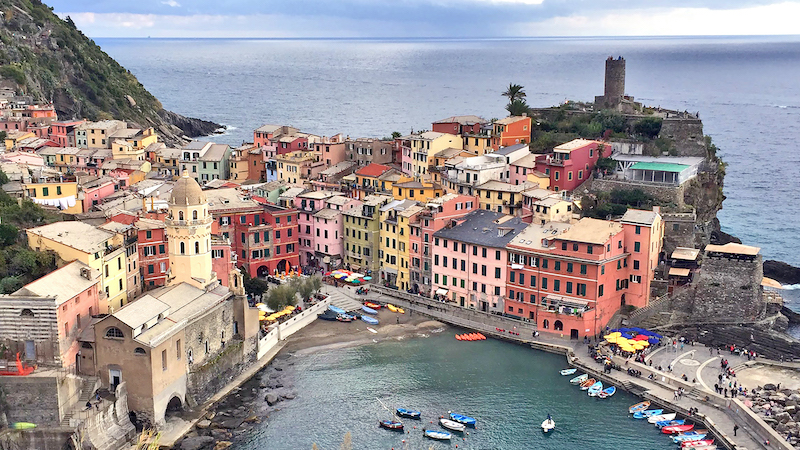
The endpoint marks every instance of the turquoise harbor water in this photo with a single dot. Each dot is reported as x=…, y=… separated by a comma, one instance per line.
x=508, y=388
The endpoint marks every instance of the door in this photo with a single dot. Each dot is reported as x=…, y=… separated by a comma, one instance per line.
x=114, y=378
x=30, y=351
x=485, y=306
x=462, y=302
x=573, y=334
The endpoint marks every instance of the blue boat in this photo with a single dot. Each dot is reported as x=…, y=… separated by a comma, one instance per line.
x=607, y=392
x=368, y=310
x=595, y=389
x=689, y=436
x=438, y=435
x=392, y=425
x=410, y=413
x=369, y=320
x=328, y=315
x=669, y=423
x=466, y=420
x=337, y=310
x=646, y=414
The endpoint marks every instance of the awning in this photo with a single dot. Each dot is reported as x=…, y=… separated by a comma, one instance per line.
x=326, y=260
x=661, y=167
x=517, y=266
x=441, y=291
x=769, y=282
x=678, y=272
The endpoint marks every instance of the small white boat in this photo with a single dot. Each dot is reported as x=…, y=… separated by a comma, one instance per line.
x=579, y=379
x=595, y=389
x=452, y=425
x=661, y=418
x=566, y=372
x=438, y=435
x=548, y=424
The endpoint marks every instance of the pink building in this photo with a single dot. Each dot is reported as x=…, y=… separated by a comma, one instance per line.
x=321, y=228
x=470, y=258
x=330, y=151
x=96, y=190
x=63, y=133
x=153, y=256
x=25, y=158
x=459, y=125
x=223, y=261
x=263, y=134
x=570, y=164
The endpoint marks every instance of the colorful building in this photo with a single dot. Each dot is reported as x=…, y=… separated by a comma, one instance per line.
x=502, y=197
x=362, y=234
x=153, y=252
x=570, y=164
x=511, y=131
x=419, y=191
x=365, y=151
x=63, y=132
x=459, y=125
x=394, y=245
x=374, y=179
x=62, y=195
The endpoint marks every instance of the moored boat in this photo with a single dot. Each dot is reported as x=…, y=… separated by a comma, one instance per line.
x=549, y=424
x=669, y=423
x=647, y=413
x=661, y=418
x=373, y=305
x=368, y=310
x=336, y=309
x=391, y=425
x=607, y=392
x=452, y=425
x=369, y=320
x=436, y=434
x=391, y=307
x=595, y=389
x=677, y=428
x=579, y=379
x=466, y=420
x=694, y=435
x=639, y=406
x=409, y=413
x=566, y=372
x=587, y=384
x=695, y=444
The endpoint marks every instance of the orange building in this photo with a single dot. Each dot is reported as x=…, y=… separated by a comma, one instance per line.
x=510, y=131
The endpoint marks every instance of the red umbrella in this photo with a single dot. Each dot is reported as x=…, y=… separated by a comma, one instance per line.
x=641, y=337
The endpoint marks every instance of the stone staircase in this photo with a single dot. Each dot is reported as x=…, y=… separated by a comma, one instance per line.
x=656, y=320
x=87, y=391
x=341, y=300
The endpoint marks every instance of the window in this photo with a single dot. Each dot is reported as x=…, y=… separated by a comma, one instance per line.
x=676, y=227
x=150, y=269
x=139, y=351
x=163, y=360
x=590, y=249
x=183, y=247
x=196, y=247
x=637, y=246
x=512, y=277
x=569, y=267
x=483, y=270
x=544, y=283
x=178, y=348
x=638, y=229
x=556, y=285
x=475, y=268
x=635, y=265
x=563, y=246
x=497, y=272
x=569, y=287
x=583, y=269
x=114, y=332
x=497, y=255
x=557, y=265
x=45, y=191
x=602, y=270
x=544, y=264
x=533, y=281
x=483, y=252
x=574, y=247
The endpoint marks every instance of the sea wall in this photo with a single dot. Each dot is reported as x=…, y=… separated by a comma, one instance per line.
x=42, y=400
x=109, y=427
x=664, y=193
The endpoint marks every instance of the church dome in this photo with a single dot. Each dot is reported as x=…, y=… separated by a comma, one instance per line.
x=187, y=192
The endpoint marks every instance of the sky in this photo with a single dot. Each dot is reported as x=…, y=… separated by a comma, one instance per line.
x=428, y=18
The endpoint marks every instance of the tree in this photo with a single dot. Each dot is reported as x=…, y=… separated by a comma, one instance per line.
x=517, y=107
x=514, y=92
x=396, y=134
x=254, y=286
x=316, y=283
x=281, y=296
x=8, y=234
x=305, y=288
x=648, y=127
x=3, y=176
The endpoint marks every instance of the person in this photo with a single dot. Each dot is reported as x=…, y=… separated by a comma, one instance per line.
x=735, y=429
x=398, y=320
x=88, y=405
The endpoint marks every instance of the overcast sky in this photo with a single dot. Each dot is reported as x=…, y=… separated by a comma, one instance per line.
x=428, y=18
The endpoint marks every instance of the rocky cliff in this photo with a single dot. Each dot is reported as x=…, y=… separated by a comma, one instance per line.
x=49, y=59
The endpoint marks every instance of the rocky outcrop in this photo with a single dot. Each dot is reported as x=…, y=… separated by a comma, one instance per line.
x=781, y=272
x=780, y=408
x=50, y=60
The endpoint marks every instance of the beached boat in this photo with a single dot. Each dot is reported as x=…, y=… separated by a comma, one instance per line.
x=647, y=413
x=373, y=305
x=548, y=424
x=694, y=435
x=368, y=310
x=695, y=444
x=587, y=384
x=436, y=434
x=595, y=389
x=566, y=372
x=579, y=379
x=391, y=307
x=452, y=425
x=410, y=413
x=369, y=320
x=677, y=428
x=466, y=420
x=669, y=423
x=639, y=407
x=607, y=392
x=328, y=315
x=336, y=309
x=23, y=425
x=661, y=418
x=391, y=425
x=344, y=318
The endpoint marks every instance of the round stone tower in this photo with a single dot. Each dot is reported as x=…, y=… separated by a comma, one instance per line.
x=615, y=81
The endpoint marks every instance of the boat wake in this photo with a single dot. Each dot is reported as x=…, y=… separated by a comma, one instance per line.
x=437, y=330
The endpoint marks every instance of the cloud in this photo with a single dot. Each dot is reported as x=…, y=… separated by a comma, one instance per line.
x=171, y=3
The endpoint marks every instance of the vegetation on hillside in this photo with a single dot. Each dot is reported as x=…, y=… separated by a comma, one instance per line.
x=19, y=265
x=612, y=204
x=278, y=297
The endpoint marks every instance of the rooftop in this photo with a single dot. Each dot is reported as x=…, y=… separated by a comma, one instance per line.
x=339, y=200
x=640, y=217
x=292, y=192
x=494, y=185
x=319, y=195
x=398, y=205
x=527, y=161
x=572, y=145
x=216, y=152
x=685, y=253
x=228, y=198
x=338, y=168
x=511, y=119
x=661, y=167
x=733, y=249
x=592, y=231
x=268, y=128
x=147, y=308
x=375, y=200
x=539, y=193
x=149, y=224
x=486, y=228
x=505, y=151
x=78, y=235
x=451, y=152
x=532, y=238
x=463, y=120
x=62, y=284
x=327, y=213
x=429, y=136
x=549, y=201
x=372, y=170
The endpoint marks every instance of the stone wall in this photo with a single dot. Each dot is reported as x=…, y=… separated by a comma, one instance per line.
x=680, y=231
x=207, y=379
x=38, y=399
x=686, y=134
x=35, y=439
x=110, y=427
x=665, y=194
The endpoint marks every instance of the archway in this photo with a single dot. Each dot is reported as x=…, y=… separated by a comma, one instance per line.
x=262, y=271
x=545, y=324
x=282, y=266
x=174, y=406
x=558, y=325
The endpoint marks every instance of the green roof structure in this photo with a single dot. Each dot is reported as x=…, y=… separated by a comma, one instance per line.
x=662, y=167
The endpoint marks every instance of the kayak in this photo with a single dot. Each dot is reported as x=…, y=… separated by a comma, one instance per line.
x=566, y=372
x=677, y=428
x=607, y=392
x=639, y=406
x=336, y=309
x=579, y=379
x=373, y=305
x=368, y=310
x=23, y=425
x=647, y=413
x=452, y=425
x=392, y=308
x=460, y=418
x=369, y=320
x=661, y=418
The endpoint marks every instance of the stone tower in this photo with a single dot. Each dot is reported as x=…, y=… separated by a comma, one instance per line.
x=189, y=235
x=615, y=81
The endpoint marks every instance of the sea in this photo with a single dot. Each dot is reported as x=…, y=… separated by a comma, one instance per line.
x=510, y=389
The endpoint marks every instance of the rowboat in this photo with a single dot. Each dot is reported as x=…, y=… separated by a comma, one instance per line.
x=368, y=310
x=452, y=425
x=391, y=307
x=369, y=320
x=661, y=417
x=336, y=309
x=410, y=413
x=647, y=413
x=669, y=423
x=345, y=318
x=595, y=389
x=588, y=383
x=695, y=435
x=694, y=444
x=579, y=379
x=466, y=420
x=391, y=425
x=438, y=435
x=566, y=372
x=639, y=406
x=548, y=424
x=373, y=305
x=328, y=315
x=677, y=428
x=607, y=392
x=23, y=425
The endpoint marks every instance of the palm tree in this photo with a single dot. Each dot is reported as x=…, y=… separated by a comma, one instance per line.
x=517, y=107
x=514, y=92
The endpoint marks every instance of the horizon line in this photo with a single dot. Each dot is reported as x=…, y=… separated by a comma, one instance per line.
x=452, y=38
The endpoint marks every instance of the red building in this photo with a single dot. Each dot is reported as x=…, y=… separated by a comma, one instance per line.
x=570, y=164
x=459, y=125
x=511, y=131
x=153, y=252
x=63, y=133
x=263, y=134
x=223, y=260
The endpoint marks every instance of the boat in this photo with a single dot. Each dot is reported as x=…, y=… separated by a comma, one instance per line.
x=368, y=310
x=647, y=413
x=466, y=420
x=328, y=315
x=548, y=424
x=391, y=425
x=23, y=425
x=607, y=392
x=370, y=329
x=391, y=307
x=344, y=318
x=694, y=435
x=677, y=428
x=369, y=320
x=436, y=434
x=409, y=413
x=587, y=384
x=595, y=389
x=452, y=425
x=639, y=406
x=661, y=417
x=694, y=444
x=336, y=309
x=401, y=310
x=669, y=423
x=579, y=379
x=566, y=372
x=375, y=306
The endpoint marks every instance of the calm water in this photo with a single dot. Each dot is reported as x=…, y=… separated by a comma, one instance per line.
x=510, y=389
x=745, y=89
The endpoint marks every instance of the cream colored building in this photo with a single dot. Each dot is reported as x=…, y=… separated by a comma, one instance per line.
x=425, y=146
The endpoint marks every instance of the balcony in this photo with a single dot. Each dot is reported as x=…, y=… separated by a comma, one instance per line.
x=188, y=223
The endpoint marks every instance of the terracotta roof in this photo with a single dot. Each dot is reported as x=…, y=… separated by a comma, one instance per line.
x=372, y=170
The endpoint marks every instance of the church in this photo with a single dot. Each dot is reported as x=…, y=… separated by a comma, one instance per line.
x=172, y=345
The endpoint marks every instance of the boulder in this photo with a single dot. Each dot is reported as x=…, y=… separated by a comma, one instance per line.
x=769, y=387
x=251, y=419
x=220, y=435
x=221, y=445
x=197, y=443
x=290, y=396
x=235, y=422
x=271, y=399
x=205, y=423
x=782, y=417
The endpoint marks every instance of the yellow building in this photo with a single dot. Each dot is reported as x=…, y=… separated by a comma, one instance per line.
x=98, y=134
x=375, y=179
x=394, y=245
x=14, y=136
x=59, y=194
x=502, y=197
x=425, y=145
x=404, y=220
x=239, y=162
x=420, y=191
x=295, y=167
x=98, y=249
x=552, y=209
x=539, y=178
x=480, y=144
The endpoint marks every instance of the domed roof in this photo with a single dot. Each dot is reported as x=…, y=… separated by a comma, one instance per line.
x=187, y=192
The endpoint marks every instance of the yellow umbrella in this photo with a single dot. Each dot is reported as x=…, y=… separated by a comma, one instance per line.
x=616, y=333
x=612, y=340
x=290, y=308
x=645, y=343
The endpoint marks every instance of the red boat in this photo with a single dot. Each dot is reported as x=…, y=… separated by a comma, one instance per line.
x=391, y=425
x=21, y=371
x=677, y=428
x=693, y=444
x=372, y=305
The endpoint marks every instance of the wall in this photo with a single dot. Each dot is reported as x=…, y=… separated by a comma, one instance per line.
x=39, y=399
x=280, y=332
x=663, y=193
x=110, y=427
x=687, y=135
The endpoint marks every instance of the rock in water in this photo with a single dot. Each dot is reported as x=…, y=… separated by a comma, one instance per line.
x=271, y=399
x=197, y=443
x=221, y=445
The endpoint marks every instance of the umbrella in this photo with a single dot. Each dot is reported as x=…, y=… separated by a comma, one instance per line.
x=340, y=275
x=356, y=281
x=640, y=337
x=611, y=339
x=644, y=343
x=627, y=335
x=616, y=333
x=653, y=340
x=290, y=308
x=367, y=278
